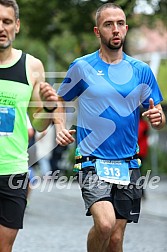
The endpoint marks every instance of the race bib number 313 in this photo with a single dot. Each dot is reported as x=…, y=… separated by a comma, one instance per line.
x=113, y=171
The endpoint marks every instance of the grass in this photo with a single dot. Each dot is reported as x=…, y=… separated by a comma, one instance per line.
x=162, y=79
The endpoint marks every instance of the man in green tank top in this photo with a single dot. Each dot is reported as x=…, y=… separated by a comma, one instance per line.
x=22, y=91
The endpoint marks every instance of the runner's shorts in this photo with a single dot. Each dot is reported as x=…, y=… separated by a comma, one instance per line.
x=125, y=199
x=13, y=194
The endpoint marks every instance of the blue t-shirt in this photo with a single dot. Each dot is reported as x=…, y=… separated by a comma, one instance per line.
x=109, y=98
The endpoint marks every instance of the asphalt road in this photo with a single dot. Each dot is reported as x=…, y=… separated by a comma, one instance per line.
x=55, y=221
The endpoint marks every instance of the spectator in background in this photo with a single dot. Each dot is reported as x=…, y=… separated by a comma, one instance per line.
x=31, y=134
x=44, y=141
x=143, y=144
x=56, y=158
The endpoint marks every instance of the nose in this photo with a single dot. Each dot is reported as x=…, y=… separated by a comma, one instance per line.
x=115, y=27
x=1, y=26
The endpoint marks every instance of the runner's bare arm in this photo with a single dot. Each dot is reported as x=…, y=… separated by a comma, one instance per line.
x=43, y=95
x=63, y=136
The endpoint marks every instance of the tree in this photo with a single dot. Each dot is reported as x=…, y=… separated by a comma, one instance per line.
x=64, y=28
x=160, y=10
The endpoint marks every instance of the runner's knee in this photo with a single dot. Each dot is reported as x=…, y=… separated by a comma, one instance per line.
x=116, y=241
x=104, y=229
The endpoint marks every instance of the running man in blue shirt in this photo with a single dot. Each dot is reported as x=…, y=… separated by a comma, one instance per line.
x=109, y=87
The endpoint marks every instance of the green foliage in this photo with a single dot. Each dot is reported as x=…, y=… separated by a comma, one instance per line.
x=160, y=9
x=161, y=161
x=32, y=46
x=162, y=79
x=64, y=28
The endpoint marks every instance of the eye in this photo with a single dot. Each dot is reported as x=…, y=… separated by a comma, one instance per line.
x=121, y=23
x=107, y=24
x=7, y=21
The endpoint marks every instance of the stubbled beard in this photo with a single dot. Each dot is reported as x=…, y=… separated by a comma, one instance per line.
x=5, y=46
x=110, y=45
x=115, y=47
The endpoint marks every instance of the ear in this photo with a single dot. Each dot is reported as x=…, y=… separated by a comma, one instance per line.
x=127, y=27
x=96, y=31
x=17, y=28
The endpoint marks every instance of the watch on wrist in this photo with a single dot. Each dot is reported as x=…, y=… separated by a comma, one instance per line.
x=50, y=110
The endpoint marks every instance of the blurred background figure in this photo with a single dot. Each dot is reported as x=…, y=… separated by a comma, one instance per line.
x=49, y=154
x=56, y=159
x=32, y=156
x=143, y=145
x=44, y=142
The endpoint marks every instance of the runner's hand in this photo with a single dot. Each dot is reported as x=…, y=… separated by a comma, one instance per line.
x=153, y=114
x=48, y=95
x=65, y=137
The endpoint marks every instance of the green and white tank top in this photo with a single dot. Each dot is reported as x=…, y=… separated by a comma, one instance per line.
x=15, y=94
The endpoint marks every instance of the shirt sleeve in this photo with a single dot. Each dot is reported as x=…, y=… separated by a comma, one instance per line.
x=148, y=78
x=73, y=84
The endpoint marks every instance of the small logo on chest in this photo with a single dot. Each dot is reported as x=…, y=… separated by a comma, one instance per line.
x=100, y=72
